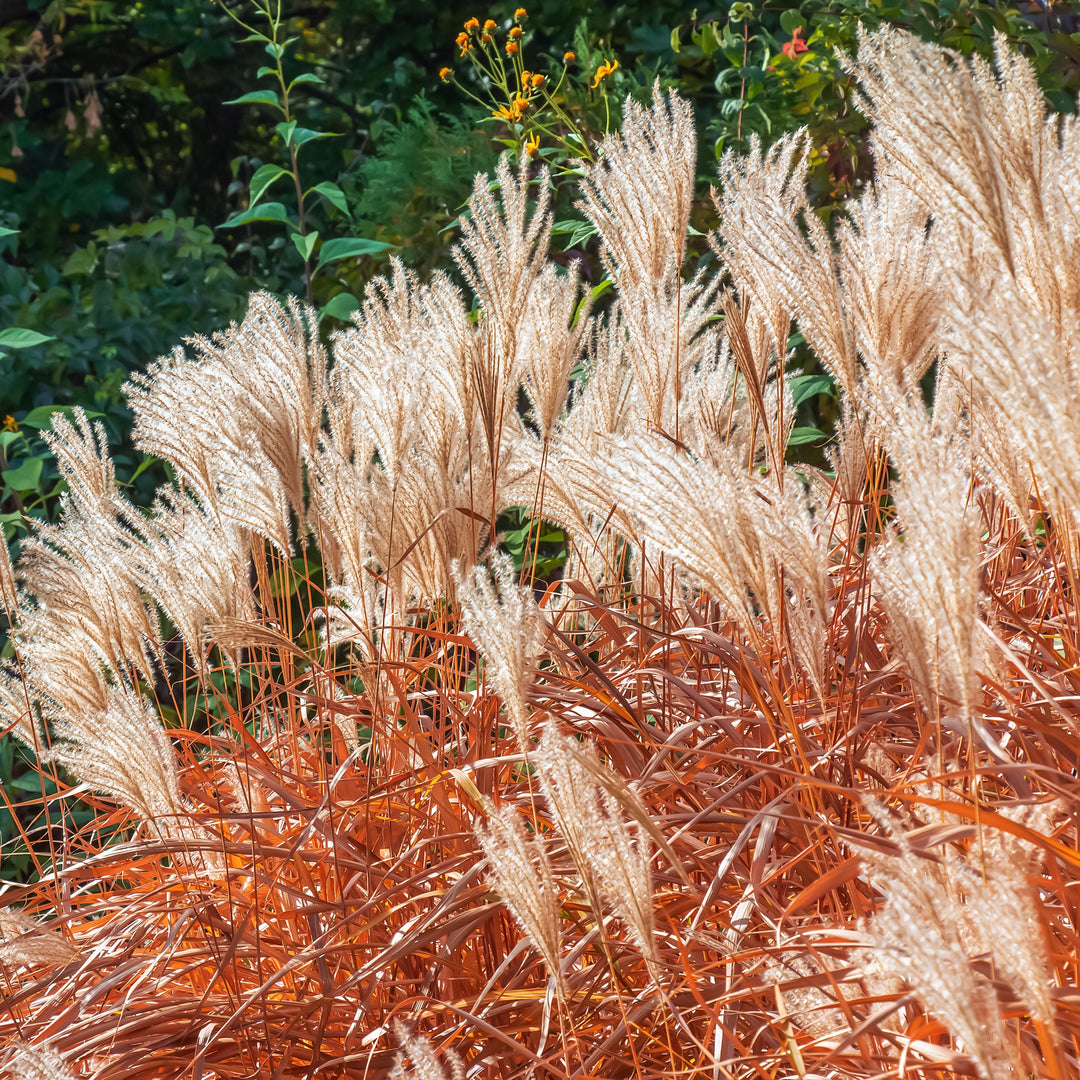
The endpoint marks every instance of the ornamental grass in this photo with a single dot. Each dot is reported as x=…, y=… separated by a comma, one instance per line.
x=778, y=779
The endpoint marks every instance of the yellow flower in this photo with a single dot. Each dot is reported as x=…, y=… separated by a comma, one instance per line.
x=520, y=14
x=9, y=423
x=538, y=81
x=568, y=57
x=603, y=71
x=511, y=48
x=472, y=24
x=512, y=113
x=490, y=24
x=463, y=43
x=515, y=33
x=532, y=144
x=445, y=73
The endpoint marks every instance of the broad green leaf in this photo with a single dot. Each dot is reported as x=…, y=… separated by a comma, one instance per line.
x=265, y=212
x=305, y=244
x=24, y=477
x=264, y=176
x=264, y=70
x=8, y=437
x=302, y=135
x=791, y=20
x=4, y=231
x=286, y=131
x=333, y=194
x=22, y=339
x=575, y=231
x=340, y=307
x=256, y=97
x=308, y=77
x=42, y=416
x=801, y=435
x=349, y=247
x=808, y=386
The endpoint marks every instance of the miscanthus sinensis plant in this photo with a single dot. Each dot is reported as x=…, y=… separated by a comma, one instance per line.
x=779, y=779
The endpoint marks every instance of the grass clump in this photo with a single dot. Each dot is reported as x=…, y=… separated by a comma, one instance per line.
x=777, y=780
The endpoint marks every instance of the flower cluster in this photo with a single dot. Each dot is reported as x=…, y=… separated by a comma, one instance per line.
x=517, y=96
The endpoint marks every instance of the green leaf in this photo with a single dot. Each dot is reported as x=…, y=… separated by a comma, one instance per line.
x=24, y=477
x=8, y=437
x=791, y=20
x=808, y=386
x=801, y=435
x=264, y=70
x=576, y=232
x=349, y=247
x=264, y=176
x=333, y=194
x=340, y=306
x=257, y=97
x=148, y=462
x=4, y=231
x=42, y=416
x=675, y=39
x=277, y=51
x=22, y=339
x=302, y=135
x=286, y=131
x=308, y=77
x=265, y=212
x=305, y=244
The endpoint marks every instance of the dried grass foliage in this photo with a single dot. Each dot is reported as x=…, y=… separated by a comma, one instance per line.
x=779, y=781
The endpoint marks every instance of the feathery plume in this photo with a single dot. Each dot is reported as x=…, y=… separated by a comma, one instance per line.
x=423, y=1064
x=522, y=875
x=929, y=583
x=40, y=1062
x=612, y=854
x=917, y=938
x=123, y=751
x=639, y=196
x=504, y=621
x=23, y=940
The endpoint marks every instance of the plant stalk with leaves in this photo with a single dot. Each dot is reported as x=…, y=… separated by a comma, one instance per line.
x=294, y=137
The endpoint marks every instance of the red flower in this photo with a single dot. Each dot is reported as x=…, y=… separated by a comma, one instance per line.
x=795, y=45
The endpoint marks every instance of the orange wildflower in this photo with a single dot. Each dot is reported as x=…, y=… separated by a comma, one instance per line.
x=472, y=24
x=603, y=71
x=568, y=57
x=445, y=73
x=520, y=14
x=511, y=48
x=515, y=32
x=795, y=45
x=490, y=24
x=463, y=43
x=512, y=113
x=538, y=81
x=10, y=424
x=532, y=144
